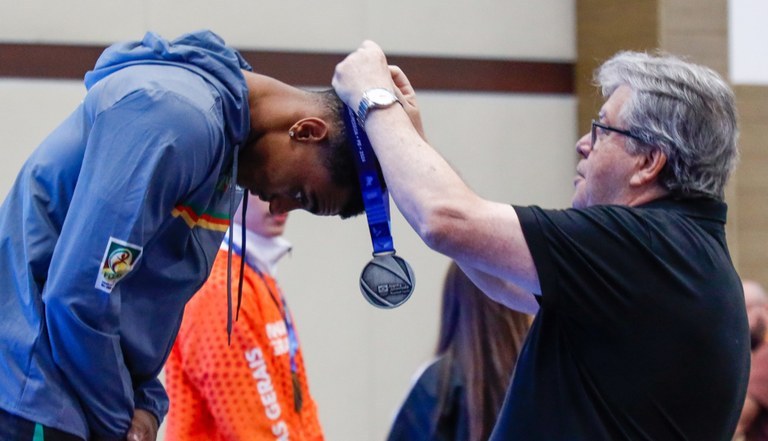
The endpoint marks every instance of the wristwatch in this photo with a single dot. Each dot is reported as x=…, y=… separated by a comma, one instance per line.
x=377, y=98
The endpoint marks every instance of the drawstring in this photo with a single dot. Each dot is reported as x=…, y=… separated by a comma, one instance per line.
x=242, y=260
x=232, y=209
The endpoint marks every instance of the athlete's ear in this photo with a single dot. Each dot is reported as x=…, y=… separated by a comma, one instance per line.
x=650, y=166
x=309, y=129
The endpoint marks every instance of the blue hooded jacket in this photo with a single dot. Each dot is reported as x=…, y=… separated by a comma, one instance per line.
x=112, y=224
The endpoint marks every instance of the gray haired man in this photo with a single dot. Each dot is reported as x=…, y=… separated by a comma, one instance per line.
x=641, y=330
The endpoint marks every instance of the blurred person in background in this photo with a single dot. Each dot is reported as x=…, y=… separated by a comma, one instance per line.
x=256, y=388
x=753, y=423
x=459, y=394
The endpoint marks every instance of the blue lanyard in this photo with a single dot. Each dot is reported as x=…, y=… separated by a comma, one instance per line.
x=293, y=342
x=387, y=281
x=375, y=197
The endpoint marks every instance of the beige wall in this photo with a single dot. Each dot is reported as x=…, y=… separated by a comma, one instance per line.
x=603, y=28
x=751, y=187
x=747, y=26
x=509, y=147
x=485, y=28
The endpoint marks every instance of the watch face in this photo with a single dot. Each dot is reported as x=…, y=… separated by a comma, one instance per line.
x=381, y=96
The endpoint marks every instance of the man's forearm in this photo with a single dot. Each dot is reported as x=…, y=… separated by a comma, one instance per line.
x=501, y=291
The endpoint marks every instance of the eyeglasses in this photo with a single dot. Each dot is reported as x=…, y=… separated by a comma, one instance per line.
x=596, y=124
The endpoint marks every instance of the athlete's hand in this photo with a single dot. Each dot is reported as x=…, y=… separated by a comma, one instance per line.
x=143, y=426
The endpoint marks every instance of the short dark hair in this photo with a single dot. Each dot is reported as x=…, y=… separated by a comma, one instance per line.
x=339, y=159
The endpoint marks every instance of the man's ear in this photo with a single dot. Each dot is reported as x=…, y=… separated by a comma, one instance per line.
x=651, y=165
x=310, y=129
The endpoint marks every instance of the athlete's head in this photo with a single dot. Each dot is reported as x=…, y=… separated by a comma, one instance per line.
x=299, y=156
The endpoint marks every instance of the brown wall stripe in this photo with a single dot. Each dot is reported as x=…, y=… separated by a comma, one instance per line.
x=315, y=69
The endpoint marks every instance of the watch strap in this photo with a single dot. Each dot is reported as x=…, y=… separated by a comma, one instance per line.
x=367, y=103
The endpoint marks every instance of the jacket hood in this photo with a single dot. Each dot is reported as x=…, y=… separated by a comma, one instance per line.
x=202, y=52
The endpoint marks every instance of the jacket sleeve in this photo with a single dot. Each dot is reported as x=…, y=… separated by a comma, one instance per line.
x=151, y=397
x=143, y=154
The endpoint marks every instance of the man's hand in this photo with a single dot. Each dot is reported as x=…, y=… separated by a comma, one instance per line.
x=363, y=69
x=143, y=426
x=407, y=97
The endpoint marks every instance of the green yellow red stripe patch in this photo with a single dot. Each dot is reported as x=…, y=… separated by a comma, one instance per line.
x=206, y=220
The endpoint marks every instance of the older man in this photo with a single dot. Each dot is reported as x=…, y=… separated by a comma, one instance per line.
x=641, y=331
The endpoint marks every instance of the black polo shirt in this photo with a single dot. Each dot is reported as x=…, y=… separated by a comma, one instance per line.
x=642, y=332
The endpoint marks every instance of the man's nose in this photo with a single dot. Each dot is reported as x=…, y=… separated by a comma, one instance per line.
x=584, y=145
x=281, y=204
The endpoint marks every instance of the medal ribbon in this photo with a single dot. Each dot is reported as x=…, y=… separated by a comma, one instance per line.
x=375, y=197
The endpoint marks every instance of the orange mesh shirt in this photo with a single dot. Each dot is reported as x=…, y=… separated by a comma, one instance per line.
x=244, y=391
